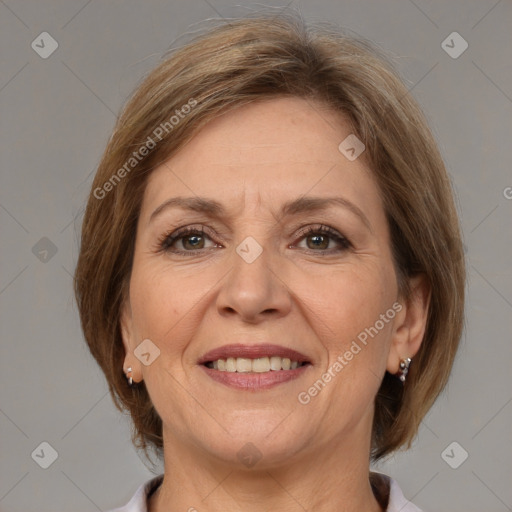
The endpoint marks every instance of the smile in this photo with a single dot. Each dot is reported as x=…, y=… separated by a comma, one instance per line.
x=259, y=365
x=254, y=367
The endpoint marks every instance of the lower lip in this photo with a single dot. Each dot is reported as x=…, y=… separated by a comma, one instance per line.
x=255, y=381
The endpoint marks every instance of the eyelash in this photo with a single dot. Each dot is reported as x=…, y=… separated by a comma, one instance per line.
x=166, y=241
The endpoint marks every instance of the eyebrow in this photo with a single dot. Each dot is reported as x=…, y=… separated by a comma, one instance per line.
x=292, y=207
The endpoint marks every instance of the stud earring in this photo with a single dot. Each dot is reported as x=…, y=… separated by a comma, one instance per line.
x=404, y=368
x=130, y=380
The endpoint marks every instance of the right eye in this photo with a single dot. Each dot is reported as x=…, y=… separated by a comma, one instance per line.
x=190, y=238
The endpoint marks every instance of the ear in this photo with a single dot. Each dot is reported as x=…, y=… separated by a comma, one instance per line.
x=410, y=323
x=126, y=325
x=128, y=337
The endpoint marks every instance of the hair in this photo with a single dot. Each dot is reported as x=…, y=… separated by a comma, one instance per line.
x=260, y=58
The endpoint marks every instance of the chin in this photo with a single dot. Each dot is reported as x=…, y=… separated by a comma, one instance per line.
x=257, y=441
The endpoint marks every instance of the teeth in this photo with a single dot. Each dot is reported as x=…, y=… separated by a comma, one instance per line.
x=259, y=365
x=275, y=363
x=231, y=364
x=243, y=365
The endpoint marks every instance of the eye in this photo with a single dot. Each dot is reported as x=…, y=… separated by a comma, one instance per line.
x=186, y=240
x=190, y=239
x=319, y=238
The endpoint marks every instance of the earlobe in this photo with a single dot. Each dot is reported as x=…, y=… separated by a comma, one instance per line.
x=410, y=324
x=131, y=367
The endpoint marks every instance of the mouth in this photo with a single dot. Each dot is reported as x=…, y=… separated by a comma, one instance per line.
x=254, y=367
x=259, y=365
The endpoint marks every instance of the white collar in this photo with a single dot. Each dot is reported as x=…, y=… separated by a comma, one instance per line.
x=396, y=503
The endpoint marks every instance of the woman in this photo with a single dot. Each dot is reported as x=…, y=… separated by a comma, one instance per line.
x=271, y=272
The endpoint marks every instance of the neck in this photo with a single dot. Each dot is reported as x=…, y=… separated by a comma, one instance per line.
x=266, y=491
x=335, y=479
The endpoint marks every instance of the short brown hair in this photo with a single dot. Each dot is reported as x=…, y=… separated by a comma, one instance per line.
x=257, y=58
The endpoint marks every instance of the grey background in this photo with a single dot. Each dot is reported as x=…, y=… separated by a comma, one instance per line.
x=56, y=116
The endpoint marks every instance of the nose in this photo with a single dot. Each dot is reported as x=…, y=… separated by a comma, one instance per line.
x=253, y=289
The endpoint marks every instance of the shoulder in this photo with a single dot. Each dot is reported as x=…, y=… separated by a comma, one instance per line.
x=388, y=491
x=397, y=501
x=138, y=503
x=395, y=497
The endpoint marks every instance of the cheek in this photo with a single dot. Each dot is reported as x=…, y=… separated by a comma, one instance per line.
x=356, y=311
x=161, y=303
x=356, y=338
x=351, y=301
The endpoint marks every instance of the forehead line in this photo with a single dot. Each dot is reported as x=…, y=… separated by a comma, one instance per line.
x=292, y=207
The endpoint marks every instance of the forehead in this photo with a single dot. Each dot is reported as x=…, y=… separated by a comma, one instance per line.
x=267, y=151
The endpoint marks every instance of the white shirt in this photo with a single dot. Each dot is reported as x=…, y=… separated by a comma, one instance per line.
x=138, y=503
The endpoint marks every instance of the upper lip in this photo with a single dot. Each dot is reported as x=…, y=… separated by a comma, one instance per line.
x=252, y=352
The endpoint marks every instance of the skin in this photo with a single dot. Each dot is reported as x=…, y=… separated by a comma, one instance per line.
x=302, y=292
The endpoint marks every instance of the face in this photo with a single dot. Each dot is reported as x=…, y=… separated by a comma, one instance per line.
x=276, y=263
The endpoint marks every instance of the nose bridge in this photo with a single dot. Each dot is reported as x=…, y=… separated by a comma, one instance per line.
x=252, y=287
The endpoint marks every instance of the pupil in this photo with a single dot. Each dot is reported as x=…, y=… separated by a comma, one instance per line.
x=319, y=238
x=196, y=240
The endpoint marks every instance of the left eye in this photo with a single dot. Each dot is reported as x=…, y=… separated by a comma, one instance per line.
x=320, y=238
x=318, y=241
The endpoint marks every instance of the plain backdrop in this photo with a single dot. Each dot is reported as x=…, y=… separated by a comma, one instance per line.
x=55, y=119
